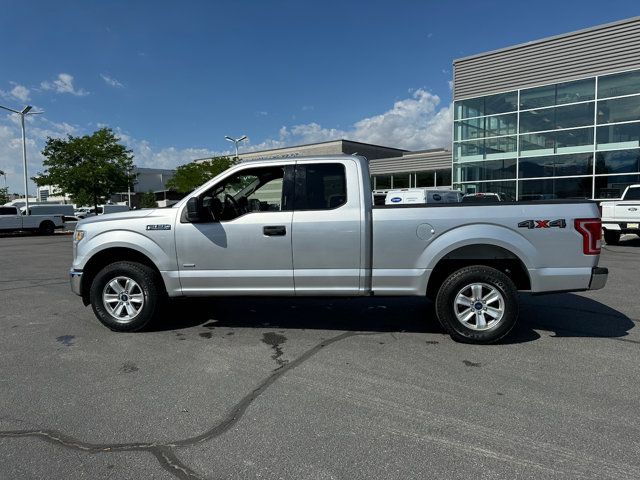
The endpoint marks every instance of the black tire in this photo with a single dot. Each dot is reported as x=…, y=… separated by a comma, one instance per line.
x=149, y=286
x=474, y=331
x=47, y=228
x=611, y=237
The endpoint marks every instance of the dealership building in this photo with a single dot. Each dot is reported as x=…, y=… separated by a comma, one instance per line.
x=554, y=118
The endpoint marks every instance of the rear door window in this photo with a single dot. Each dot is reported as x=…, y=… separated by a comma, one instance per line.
x=321, y=186
x=8, y=211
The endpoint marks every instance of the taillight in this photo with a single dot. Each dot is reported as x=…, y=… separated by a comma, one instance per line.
x=591, y=231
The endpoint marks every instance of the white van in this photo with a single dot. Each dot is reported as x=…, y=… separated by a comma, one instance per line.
x=408, y=196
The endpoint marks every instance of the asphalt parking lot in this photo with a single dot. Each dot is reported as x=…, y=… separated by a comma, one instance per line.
x=314, y=389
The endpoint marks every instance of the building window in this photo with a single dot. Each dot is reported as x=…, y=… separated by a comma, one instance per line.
x=619, y=110
x=383, y=182
x=425, y=179
x=443, y=178
x=618, y=161
x=625, y=135
x=613, y=186
x=626, y=83
x=556, y=165
x=489, y=170
x=506, y=190
x=549, y=95
x=400, y=180
x=569, y=188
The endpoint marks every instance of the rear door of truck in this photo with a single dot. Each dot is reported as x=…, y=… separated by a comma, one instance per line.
x=326, y=228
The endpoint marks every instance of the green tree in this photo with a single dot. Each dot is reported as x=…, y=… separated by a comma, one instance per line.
x=4, y=195
x=191, y=175
x=90, y=168
x=148, y=200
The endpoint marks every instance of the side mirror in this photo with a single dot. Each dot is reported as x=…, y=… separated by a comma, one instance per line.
x=194, y=210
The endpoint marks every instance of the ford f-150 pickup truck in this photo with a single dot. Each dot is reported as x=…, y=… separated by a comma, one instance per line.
x=12, y=220
x=307, y=226
x=621, y=216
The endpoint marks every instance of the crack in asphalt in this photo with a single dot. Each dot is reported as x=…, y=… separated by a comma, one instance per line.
x=164, y=451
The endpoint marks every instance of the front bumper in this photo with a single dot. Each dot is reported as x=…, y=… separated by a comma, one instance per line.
x=598, y=278
x=75, y=278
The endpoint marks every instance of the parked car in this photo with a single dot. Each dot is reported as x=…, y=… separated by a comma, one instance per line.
x=12, y=220
x=621, y=216
x=84, y=212
x=307, y=227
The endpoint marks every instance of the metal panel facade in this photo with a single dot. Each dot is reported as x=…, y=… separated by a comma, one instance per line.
x=604, y=49
x=411, y=163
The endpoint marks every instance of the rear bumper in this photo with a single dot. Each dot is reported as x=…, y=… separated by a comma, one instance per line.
x=75, y=279
x=598, y=278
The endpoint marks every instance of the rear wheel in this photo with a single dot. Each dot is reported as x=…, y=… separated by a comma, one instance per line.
x=477, y=304
x=126, y=296
x=47, y=228
x=611, y=237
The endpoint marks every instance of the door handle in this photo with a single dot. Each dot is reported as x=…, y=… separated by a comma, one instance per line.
x=274, y=230
x=633, y=209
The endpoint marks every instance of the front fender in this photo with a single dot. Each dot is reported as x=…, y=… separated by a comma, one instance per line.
x=161, y=250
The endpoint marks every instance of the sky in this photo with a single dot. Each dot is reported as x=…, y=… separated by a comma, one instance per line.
x=173, y=78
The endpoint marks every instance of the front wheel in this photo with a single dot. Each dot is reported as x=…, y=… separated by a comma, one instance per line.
x=126, y=296
x=477, y=304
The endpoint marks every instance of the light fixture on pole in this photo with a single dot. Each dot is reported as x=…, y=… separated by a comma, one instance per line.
x=236, y=141
x=24, y=112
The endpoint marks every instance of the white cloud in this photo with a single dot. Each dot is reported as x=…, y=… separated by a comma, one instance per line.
x=112, y=82
x=64, y=84
x=415, y=123
x=20, y=92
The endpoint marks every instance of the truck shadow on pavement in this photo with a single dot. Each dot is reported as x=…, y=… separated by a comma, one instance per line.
x=564, y=315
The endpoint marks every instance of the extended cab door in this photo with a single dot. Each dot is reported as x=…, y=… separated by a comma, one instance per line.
x=245, y=245
x=327, y=222
x=10, y=219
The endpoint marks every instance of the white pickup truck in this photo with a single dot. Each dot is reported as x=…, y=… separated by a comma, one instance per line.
x=12, y=220
x=621, y=216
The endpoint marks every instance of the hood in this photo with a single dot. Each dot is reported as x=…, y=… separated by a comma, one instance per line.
x=130, y=215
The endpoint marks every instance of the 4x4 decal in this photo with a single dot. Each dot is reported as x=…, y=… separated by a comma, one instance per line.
x=559, y=223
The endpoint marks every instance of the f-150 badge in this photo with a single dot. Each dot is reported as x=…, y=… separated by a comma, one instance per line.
x=159, y=227
x=559, y=223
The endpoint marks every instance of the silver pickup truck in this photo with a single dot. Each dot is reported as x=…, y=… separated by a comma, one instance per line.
x=307, y=226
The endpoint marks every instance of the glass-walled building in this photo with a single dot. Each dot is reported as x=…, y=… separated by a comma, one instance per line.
x=534, y=135
x=578, y=139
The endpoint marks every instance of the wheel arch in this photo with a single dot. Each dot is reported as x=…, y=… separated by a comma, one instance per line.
x=487, y=254
x=108, y=256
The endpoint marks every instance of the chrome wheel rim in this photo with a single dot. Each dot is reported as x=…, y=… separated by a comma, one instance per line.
x=123, y=299
x=479, y=306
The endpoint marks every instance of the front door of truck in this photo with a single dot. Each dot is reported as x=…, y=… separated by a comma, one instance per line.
x=327, y=222
x=244, y=246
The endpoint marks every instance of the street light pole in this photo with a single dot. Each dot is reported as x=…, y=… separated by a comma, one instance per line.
x=23, y=113
x=236, y=141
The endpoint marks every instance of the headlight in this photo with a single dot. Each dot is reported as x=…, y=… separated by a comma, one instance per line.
x=78, y=235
